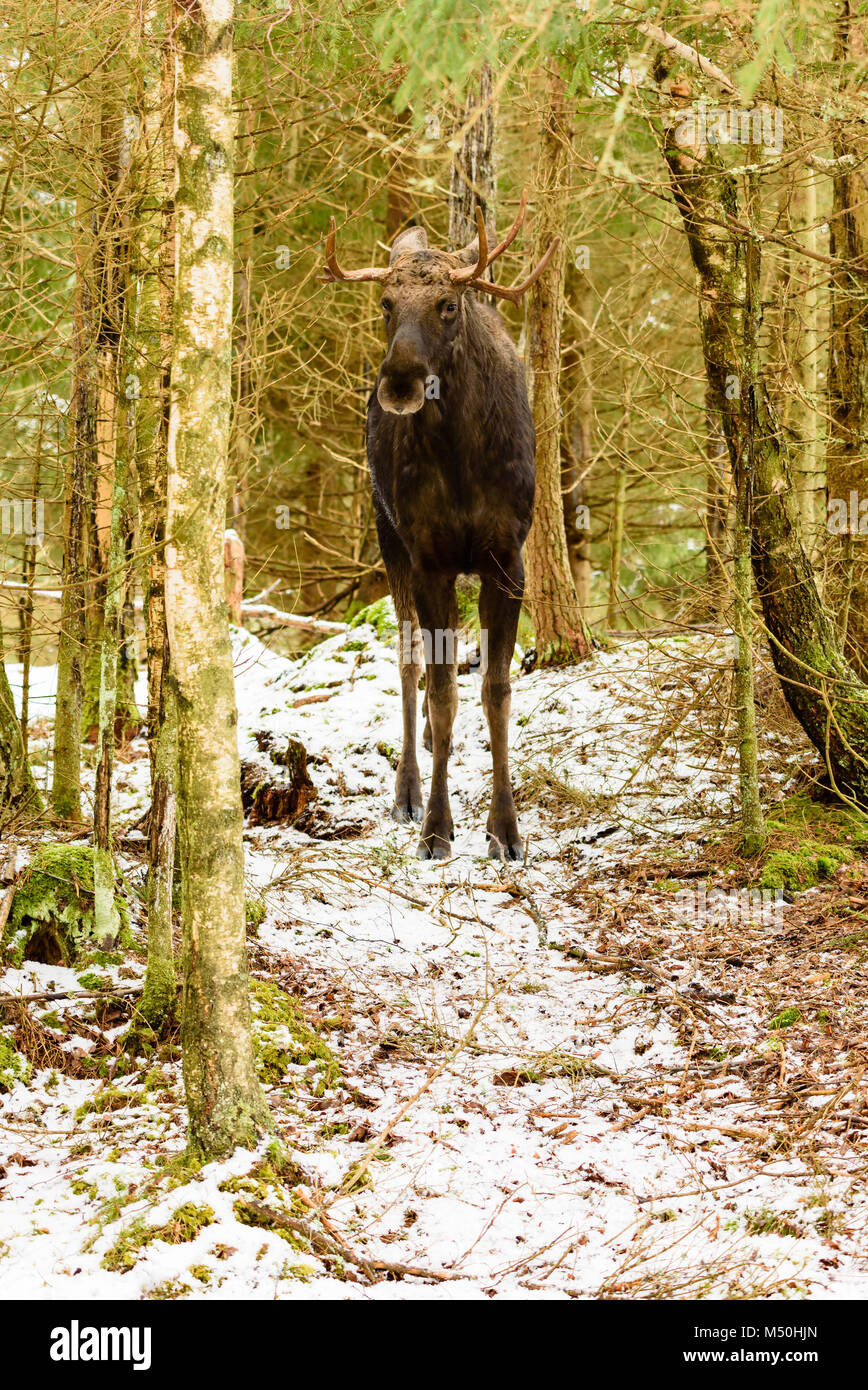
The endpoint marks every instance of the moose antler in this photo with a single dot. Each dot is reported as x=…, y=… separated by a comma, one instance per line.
x=515, y=292
x=333, y=270
x=460, y=277
x=472, y=277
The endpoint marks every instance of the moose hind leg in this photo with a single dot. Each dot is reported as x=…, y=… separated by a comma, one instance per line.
x=499, y=607
x=438, y=614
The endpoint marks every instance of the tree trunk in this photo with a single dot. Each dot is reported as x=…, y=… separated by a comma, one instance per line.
x=619, y=508
x=561, y=635
x=226, y=1105
x=105, y=527
x=66, y=784
x=28, y=576
x=752, y=825
x=801, y=344
x=847, y=446
x=18, y=792
x=473, y=180
x=716, y=505
x=824, y=693
x=117, y=402
x=578, y=452
x=153, y=269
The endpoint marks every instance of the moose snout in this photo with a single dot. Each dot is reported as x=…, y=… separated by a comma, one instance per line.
x=401, y=388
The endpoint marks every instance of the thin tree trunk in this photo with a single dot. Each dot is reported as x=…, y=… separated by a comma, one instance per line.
x=619, y=508
x=18, y=793
x=66, y=784
x=716, y=504
x=29, y=578
x=153, y=268
x=847, y=445
x=561, y=635
x=225, y=1103
x=752, y=824
x=801, y=343
x=578, y=453
x=821, y=688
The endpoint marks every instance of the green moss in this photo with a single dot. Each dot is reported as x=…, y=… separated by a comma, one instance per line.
x=767, y=1223
x=90, y=980
x=808, y=840
x=380, y=616
x=13, y=1067
x=254, y=914
x=183, y=1225
x=170, y=1289
x=283, y=1037
x=52, y=916
x=796, y=870
x=786, y=1018
x=261, y=1221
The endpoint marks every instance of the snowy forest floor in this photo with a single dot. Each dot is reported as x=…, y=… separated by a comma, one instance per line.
x=544, y=1080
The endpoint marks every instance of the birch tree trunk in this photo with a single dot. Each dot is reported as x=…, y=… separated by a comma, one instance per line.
x=226, y=1105
x=561, y=635
x=153, y=270
x=117, y=401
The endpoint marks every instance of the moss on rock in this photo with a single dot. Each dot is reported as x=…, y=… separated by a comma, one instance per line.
x=52, y=916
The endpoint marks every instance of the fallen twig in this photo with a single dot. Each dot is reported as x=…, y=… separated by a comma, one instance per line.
x=70, y=994
x=336, y=1249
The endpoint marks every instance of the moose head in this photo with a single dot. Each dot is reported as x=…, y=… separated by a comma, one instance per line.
x=423, y=304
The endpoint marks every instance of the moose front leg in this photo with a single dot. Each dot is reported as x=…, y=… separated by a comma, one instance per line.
x=408, y=787
x=499, y=608
x=437, y=608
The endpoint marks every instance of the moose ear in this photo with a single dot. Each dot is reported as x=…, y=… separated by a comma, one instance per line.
x=468, y=255
x=413, y=239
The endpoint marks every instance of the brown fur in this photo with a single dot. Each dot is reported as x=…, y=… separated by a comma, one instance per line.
x=452, y=468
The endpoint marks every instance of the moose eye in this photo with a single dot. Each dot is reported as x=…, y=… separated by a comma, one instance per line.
x=386, y=306
x=447, y=306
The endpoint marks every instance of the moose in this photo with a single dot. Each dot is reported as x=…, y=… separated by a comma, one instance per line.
x=450, y=446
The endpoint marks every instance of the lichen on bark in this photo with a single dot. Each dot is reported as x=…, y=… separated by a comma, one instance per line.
x=226, y=1105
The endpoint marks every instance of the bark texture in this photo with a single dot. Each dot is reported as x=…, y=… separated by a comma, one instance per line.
x=226, y=1105
x=847, y=449
x=820, y=686
x=18, y=792
x=66, y=785
x=561, y=635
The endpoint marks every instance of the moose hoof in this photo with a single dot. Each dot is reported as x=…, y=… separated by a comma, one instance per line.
x=406, y=813
x=437, y=850
x=509, y=851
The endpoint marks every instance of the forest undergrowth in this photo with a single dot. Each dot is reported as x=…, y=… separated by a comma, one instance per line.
x=630, y=1067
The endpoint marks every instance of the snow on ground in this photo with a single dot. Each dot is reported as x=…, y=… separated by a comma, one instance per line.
x=551, y=1083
